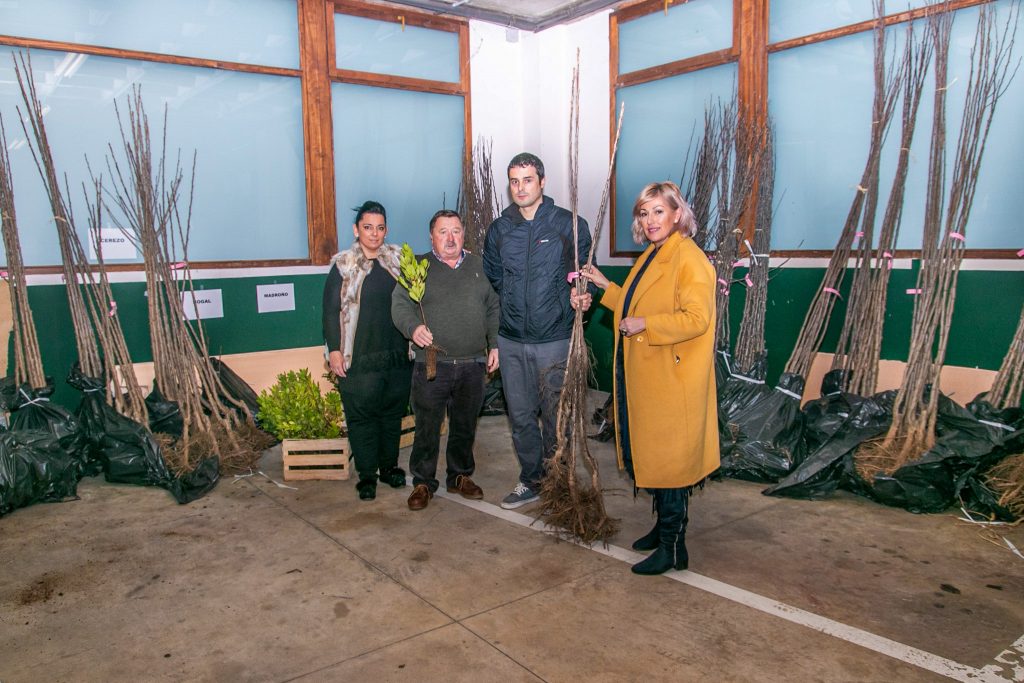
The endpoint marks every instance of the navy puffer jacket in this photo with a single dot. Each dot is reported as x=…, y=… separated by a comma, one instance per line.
x=528, y=262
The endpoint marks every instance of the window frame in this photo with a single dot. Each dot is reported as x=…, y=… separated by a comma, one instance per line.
x=317, y=70
x=750, y=49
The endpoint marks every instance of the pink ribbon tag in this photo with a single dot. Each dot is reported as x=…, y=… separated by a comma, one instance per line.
x=724, y=286
x=3, y=273
x=178, y=266
x=832, y=290
x=737, y=264
x=750, y=283
x=888, y=256
x=113, y=309
x=1020, y=254
x=572, y=276
x=858, y=235
x=956, y=236
x=914, y=292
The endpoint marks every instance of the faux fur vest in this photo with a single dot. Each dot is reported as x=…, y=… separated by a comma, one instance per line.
x=354, y=267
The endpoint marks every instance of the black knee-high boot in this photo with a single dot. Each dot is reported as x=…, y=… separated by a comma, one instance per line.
x=649, y=541
x=673, y=516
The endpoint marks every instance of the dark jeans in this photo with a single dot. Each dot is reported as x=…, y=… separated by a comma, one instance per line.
x=458, y=390
x=375, y=403
x=532, y=376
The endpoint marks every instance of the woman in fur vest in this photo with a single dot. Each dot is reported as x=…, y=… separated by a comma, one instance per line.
x=366, y=352
x=666, y=422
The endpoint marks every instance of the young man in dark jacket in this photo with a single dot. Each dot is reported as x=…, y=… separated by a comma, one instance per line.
x=528, y=257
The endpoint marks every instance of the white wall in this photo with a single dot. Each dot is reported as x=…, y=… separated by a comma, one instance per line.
x=521, y=102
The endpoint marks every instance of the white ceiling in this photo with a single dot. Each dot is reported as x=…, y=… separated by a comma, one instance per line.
x=530, y=15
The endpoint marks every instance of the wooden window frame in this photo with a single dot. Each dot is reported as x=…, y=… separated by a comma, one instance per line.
x=750, y=50
x=317, y=71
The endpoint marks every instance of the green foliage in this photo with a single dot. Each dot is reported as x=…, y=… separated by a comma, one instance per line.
x=413, y=274
x=294, y=408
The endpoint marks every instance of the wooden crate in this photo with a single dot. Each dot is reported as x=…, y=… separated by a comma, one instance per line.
x=409, y=430
x=315, y=458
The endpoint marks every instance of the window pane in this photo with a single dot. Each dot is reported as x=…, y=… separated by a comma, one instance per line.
x=660, y=118
x=246, y=129
x=261, y=32
x=821, y=103
x=401, y=148
x=793, y=18
x=384, y=47
x=687, y=30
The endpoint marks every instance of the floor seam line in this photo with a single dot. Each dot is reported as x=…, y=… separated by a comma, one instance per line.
x=341, y=545
x=365, y=652
x=503, y=653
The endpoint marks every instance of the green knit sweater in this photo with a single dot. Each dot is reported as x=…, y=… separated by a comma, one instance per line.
x=461, y=309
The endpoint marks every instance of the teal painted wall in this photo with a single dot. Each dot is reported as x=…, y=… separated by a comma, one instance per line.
x=986, y=315
x=988, y=307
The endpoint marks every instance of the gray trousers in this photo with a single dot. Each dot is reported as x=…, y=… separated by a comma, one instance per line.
x=532, y=377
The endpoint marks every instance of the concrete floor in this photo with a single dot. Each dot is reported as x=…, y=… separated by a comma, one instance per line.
x=261, y=583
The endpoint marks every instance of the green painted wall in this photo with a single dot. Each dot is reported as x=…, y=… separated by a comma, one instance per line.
x=988, y=308
x=241, y=329
x=987, y=311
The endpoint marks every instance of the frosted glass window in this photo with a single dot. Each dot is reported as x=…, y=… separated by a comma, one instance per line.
x=400, y=148
x=660, y=118
x=820, y=101
x=688, y=30
x=820, y=98
x=794, y=18
x=264, y=32
x=385, y=47
x=250, y=198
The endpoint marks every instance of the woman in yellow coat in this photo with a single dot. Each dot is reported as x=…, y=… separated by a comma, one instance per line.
x=666, y=423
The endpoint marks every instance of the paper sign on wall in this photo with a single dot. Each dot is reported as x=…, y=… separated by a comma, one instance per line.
x=202, y=303
x=272, y=298
x=115, y=244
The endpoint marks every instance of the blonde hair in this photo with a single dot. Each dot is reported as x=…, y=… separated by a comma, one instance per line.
x=668, y=191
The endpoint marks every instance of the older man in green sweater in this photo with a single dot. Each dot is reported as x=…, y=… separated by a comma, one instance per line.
x=461, y=311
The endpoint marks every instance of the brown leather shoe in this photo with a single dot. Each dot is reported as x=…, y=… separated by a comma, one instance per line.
x=465, y=487
x=419, y=497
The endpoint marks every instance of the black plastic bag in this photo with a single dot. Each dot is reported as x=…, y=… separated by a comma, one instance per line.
x=604, y=418
x=1004, y=424
x=764, y=441
x=841, y=422
x=34, y=469
x=197, y=483
x=494, y=397
x=740, y=391
x=128, y=451
x=723, y=366
x=31, y=409
x=236, y=388
x=164, y=416
x=932, y=481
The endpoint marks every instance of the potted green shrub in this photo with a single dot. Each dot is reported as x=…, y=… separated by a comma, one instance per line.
x=309, y=424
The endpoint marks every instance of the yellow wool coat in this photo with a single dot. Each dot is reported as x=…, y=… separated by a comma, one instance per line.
x=669, y=367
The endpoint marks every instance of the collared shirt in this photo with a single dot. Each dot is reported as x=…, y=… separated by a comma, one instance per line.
x=458, y=263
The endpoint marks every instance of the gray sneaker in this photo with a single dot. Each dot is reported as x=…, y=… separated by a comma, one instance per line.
x=521, y=495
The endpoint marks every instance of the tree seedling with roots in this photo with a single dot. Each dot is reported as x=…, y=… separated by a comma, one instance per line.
x=413, y=276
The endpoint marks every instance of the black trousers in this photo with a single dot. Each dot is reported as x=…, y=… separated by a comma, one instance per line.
x=375, y=403
x=458, y=390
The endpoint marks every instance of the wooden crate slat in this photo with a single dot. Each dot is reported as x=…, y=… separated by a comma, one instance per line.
x=315, y=459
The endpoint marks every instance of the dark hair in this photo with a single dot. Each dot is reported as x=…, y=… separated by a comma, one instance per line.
x=370, y=206
x=444, y=213
x=524, y=159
